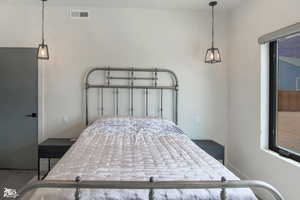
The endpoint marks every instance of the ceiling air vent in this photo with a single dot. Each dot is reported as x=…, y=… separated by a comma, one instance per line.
x=80, y=14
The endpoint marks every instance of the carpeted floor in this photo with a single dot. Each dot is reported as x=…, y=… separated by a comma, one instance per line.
x=14, y=179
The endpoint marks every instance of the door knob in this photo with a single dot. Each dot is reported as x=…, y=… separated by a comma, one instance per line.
x=32, y=115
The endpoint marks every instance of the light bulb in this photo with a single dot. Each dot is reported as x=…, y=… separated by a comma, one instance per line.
x=43, y=52
x=217, y=56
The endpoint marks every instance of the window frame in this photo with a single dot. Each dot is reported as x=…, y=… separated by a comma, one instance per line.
x=297, y=84
x=273, y=94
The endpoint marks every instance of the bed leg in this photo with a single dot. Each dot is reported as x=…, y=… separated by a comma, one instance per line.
x=151, y=192
x=223, y=191
x=77, y=192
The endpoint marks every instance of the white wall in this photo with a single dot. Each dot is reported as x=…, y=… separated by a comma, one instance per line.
x=173, y=39
x=248, y=109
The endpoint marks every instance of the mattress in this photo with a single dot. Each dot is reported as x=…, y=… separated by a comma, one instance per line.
x=135, y=149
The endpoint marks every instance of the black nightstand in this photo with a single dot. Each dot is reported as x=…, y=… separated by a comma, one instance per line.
x=53, y=148
x=212, y=148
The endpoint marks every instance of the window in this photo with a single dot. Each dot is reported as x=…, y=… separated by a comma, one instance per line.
x=284, y=107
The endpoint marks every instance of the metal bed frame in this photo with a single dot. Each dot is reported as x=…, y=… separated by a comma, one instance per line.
x=77, y=184
x=132, y=75
x=151, y=185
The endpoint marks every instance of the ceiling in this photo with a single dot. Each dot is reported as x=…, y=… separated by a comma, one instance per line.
x=156, y=4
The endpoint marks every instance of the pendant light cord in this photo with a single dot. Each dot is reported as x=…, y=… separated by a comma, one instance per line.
x=212, y=29
x=43, y=18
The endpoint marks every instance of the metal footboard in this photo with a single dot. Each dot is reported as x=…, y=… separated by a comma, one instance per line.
x=151, y=185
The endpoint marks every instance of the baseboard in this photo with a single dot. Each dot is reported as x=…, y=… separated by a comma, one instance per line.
x=261, y=194
x=237, y=172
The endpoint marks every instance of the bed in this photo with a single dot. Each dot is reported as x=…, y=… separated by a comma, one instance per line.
x=128, y=157
x=134, y=149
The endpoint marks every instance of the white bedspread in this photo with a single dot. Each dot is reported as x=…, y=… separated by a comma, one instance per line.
x=136, y=149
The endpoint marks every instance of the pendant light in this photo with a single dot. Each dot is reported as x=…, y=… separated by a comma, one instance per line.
x=43, y=52
x=212, y=54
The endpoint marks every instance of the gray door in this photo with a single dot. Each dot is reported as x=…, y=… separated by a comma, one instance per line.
x=18, y=108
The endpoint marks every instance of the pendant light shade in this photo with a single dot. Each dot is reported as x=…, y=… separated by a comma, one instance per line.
x=43, y=52
x=213, y=54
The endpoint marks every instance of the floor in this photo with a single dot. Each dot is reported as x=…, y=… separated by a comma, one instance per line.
x=289, y=130
x=14, y=179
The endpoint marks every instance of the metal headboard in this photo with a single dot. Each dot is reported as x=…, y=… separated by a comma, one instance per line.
x=131, y=78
